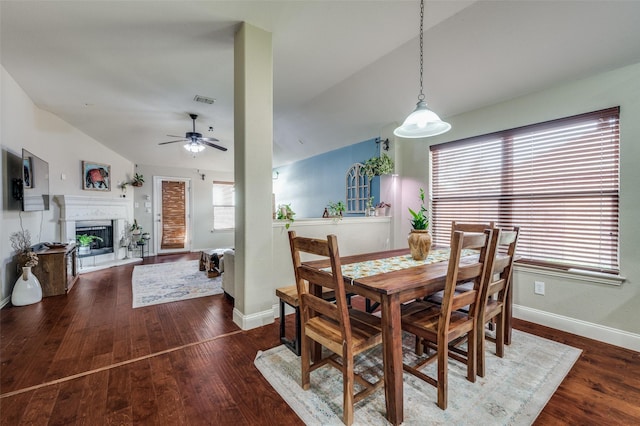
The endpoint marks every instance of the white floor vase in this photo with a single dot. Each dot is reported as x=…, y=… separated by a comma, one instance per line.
x=27, y=289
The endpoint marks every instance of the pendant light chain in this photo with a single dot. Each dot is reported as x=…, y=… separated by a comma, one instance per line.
x=421, y=95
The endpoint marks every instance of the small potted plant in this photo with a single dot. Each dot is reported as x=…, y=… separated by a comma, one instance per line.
x=336, y=209
x=285, y=213
x=138, y=180
x=419, y=237
x=135, y=228
x=85, y=241
x=376, y=166
x=382, y=208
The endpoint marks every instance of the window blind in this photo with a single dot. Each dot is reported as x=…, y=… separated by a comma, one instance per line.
x=223, y=205
x=558, y=181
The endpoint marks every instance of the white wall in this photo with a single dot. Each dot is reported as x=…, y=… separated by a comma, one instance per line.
x=203, y=236
x=24, y=125
x=607, y=312
x=355, y=235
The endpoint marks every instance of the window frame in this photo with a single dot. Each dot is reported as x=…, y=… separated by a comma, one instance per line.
x=503, y=184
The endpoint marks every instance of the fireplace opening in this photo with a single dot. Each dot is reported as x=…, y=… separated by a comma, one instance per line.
x=98, y=228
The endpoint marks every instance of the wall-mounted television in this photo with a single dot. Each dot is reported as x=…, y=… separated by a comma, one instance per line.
x=35, y=183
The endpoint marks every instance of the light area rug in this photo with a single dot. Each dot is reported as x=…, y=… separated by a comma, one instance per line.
x=171, y=282
x=513, y=392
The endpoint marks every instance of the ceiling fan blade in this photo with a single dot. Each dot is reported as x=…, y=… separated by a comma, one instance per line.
x=209, y=139
x=213, y=145
x=164, y=143
x=175, y=136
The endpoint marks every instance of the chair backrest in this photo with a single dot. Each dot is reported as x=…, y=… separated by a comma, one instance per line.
x=470, y=227
x=459, y=272
x=500, y=275
x=311, y=304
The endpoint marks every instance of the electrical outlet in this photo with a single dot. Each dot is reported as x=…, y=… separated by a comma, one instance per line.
x=538, y=287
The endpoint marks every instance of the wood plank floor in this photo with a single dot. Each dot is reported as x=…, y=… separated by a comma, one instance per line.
x=88, y=358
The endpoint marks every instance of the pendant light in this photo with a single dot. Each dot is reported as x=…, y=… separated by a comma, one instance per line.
x=422, y=122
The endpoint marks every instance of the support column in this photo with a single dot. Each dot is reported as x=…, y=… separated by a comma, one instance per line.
x=253, y=142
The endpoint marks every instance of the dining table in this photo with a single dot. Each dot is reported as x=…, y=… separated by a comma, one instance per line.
x=391, y=278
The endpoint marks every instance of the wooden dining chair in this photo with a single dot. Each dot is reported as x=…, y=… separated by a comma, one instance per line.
x=470, y=227
x=346, y=333
x=495, y=293
x=464, y=227
x=440, y=324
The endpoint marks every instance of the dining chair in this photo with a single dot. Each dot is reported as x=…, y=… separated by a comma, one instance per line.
x=464, y=227
x=440, y=324
x=344, y=332
x=495, y=293
x=470, y=227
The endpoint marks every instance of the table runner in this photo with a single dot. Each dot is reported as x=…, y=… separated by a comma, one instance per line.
x=396, y=263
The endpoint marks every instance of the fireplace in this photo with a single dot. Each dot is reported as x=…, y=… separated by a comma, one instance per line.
x=96, y=214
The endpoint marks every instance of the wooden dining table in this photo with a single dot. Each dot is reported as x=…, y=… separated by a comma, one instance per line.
x=390, y=290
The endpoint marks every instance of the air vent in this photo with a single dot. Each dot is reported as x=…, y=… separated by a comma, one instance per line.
x=204, y=99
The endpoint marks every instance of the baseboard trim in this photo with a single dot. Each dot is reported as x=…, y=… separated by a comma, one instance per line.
x=590, y=330
x=4, y=302
x=247, y=322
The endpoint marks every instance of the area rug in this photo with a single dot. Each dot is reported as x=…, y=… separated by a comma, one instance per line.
x=513, y=392
x=171, y=282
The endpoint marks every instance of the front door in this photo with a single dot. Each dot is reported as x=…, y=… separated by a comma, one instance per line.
x=171, y=197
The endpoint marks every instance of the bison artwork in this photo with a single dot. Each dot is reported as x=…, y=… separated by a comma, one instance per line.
x=96, y=177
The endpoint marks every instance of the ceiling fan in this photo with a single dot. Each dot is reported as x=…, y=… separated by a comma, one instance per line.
x=195, y=141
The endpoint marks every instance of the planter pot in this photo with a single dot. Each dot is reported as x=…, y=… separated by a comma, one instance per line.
x=419, y=243
x=27, y=289
x=84, y=250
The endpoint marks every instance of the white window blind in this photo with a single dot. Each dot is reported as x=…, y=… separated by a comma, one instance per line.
x=223, y=205
x=558, y=181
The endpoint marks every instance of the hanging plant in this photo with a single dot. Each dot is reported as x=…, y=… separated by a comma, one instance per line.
x=376, y=166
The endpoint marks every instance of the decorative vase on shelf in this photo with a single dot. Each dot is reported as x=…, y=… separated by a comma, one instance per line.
x=27, y=289
x=419, y=243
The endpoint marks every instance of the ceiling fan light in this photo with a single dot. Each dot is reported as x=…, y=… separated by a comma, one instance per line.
x=194, y=147
x=422, y=123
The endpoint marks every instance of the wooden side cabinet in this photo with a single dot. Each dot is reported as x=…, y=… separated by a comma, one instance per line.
x=57, y=269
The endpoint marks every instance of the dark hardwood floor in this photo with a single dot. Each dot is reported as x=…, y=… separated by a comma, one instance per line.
x=88, y=358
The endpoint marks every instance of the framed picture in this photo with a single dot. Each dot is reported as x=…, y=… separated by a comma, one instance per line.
x=96, y=176
x=27, y=173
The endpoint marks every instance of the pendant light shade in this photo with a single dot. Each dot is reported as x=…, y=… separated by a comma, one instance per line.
x=422, y=122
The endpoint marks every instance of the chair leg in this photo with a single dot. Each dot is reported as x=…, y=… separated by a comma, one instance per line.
x=500, y=335
x=305, y=360
x=443, y=370
x=292, y=344
x=348, y=389
x=472, y=352
x=480, y=351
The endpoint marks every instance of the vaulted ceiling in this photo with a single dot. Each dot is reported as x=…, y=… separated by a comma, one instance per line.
x=126, y=72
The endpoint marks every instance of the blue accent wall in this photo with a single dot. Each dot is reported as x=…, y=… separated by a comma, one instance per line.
x=310, y=184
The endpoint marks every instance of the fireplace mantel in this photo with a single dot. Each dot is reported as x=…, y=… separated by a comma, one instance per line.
x=79, y=207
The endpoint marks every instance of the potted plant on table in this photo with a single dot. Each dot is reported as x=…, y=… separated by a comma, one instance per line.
x=419, y=237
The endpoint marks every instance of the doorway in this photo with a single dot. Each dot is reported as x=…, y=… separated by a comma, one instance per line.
x=172, y=225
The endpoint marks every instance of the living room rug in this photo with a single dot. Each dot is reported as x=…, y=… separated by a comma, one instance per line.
x=513, y=392
x=171, y=282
